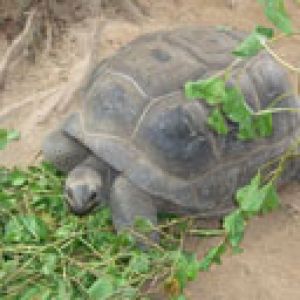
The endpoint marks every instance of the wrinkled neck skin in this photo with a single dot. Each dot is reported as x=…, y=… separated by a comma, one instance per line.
x=108, y=174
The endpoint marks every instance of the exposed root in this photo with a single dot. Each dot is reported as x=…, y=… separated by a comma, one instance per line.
x=82, y=71
x=62, y=97
x=17, y=106
x=18, y=45
x=49, y=38
x=134, y=13
x=45, y=111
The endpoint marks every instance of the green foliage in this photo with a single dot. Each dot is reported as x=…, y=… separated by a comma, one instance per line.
x=254, y=42
x=234, y=225
x=143, y=225
x=217, y=121
x=48, y=253
x=230, y=104
x=212, y=90
x=186, y=268
x=25, y=229
x=213, y=256
x=6, y=136
x=265, y=197
x=277, y=14
x=102, y=288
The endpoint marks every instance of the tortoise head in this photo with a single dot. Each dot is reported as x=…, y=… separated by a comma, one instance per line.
x=83, y=190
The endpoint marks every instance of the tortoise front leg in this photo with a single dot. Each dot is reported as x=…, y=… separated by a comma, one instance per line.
x=64, y=152
x=128, y=202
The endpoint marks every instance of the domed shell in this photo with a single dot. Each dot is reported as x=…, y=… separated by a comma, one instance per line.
x=135, y=117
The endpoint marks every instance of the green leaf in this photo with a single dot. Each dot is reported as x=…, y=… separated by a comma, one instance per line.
x=65, y=230
x=247, y=129
x=49, y=262
x=249, y=198
x=249, y=47
x=7, y=136
x=13, y=135
x=180, y=297
x=102, y=288
x=7, y=201
x=234, y=105
x=143, y=225
x=254, y=199
x=253, y=43
x=25, y=229
x=7, y=267
x=3, y=139
x=192, y=266
x=217, y=122
x=234, y=225
x=36, y=292
x=265, y=31
x=139, y=263
x=64, y=290
x=124, y=239
x=17, y=178
x=211, y=90
x=31, y=293
x=186, y=268
x=257, y=126
x=264, y=125
x=277, y=14
x=102, y=218
x=213, y=256
x=271, y=200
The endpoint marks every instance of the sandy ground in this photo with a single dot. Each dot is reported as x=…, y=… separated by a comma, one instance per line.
x=269, y=268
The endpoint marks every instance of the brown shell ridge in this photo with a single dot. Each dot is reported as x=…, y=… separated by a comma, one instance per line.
x=130, y=79
x=146, y=110
x=188, y=49
x=98, y=135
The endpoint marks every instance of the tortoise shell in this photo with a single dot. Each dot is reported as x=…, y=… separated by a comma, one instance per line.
x=135, y=116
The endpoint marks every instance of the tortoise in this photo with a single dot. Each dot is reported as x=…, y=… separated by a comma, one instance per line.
x=139, y=146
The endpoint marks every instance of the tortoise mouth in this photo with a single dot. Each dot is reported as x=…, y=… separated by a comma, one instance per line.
x=82, y=211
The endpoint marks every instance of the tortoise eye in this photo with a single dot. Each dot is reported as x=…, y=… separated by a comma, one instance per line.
x=93, y=196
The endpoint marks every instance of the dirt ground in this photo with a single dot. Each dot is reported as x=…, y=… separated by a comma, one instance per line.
x=269, y=268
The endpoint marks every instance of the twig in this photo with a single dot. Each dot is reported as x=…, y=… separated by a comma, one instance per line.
x=276, y=110
x=279, y=59
x=17, y=46
x=49, y=40
x=146, y=240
